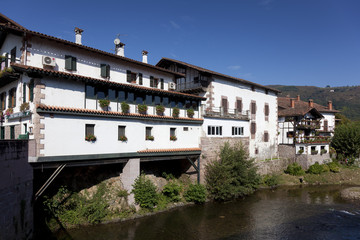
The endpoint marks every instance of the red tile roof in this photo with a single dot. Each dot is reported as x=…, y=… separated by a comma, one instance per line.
x=170, y=150
x=109, y=113
x=200, y=69
x=43, y=71
x=300, y=108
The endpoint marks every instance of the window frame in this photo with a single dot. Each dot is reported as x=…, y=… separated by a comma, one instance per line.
x=89, y=129
x=70, y=63
x=105, y=70
x=214, y=130
x=121, y=131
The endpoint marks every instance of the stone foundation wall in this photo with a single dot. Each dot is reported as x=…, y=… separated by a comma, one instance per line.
x=16, y=191
x=273, y=166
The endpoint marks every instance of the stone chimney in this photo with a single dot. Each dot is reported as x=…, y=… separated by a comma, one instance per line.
x=330, y=106
x=78, y=33
x=292, y=102
x=311, y=103
x=120, y=49
x=298, y=98
x=144, y=56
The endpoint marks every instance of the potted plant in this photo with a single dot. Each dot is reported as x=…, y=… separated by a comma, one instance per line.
x=175, y=112
x=142, y=108
x=301, y=151
x=160, y=109
x=123, y=138
x=314, y=152
x=90, y=138
x=173, y=138
x=24, y=107
x=104, y=103
x=150, y=138
x=125, y=107
x=8, y=112
x=323, y=151
x=190, y=112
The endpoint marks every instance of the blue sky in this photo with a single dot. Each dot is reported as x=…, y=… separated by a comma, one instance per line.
x=288, y=42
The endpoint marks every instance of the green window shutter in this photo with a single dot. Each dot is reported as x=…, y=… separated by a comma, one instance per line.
x=13, y=55
x=68, y=62
x=2, y=133
x=31, y=91
x=24, y=92
x=140, y=79
x=107, y=70
x=103, y=70
x=6, y=60
x=162, y=83
x=128, y=76
x=151, y=81
x=12, y=132
x=73, y=63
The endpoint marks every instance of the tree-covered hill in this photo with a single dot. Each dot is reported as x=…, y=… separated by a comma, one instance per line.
x=345, y=99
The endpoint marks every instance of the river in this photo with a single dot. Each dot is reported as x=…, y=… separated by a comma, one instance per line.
x=315, y=212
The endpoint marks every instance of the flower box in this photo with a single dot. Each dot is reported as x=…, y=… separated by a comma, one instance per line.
x=90, y=138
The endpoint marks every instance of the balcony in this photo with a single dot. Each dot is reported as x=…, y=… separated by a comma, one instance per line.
x=7, y=74
x=308, y=124
x=313, y=139
x=196, y=86
x=221, y=112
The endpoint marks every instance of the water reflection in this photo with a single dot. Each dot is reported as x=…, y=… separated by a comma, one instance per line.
x=286, y=213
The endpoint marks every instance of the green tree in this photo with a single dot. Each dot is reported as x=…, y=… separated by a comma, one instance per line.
x=145, y=192
x=233, y=175
x=346, y=140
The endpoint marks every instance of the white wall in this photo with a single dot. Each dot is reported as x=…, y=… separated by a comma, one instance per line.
x=227, y=125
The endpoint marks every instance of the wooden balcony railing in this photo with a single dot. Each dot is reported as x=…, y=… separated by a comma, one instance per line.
x=308, y=124
x=225, y=112
x=313, y=139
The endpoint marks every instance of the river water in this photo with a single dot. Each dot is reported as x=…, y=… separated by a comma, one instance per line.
x=285, y=213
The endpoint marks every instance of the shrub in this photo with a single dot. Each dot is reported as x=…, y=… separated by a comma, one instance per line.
x=323, y=151
x=104, y=103
x=172, y=191
x=316, y=168
x=233, y=175
x=334, y=167
x=294, y=169
x=122, y=193
x=125, y=107
x=142, y=108
x=145, y=192
x=271, y=180
x=195, y=193
x=160, y=109
x=175, y=112
x=190, y=112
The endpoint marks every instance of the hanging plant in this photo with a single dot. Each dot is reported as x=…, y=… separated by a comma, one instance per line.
x=151, y=138
x=142, y=108
x=125, y=107
x=160, y=109
x=190, y=112
x=90, y=138
x=9, y=111
x=175, y=112
x=123, y=138
x=173, y=138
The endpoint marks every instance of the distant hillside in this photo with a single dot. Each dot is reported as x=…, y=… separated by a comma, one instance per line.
x=345, y=99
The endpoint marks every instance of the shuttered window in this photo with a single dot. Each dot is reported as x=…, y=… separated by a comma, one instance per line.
x=121, y=132
x=89, y=129
x=70, y=63
x=3, y=101
x=13, y=55
x=266, y=136
x=31, y=90
x=239, y=105
x=266, y=110
x=105, y=70
x=12, y=98
x=253, y=130
x=24, y=92
x=253, y=108
x=140, y=79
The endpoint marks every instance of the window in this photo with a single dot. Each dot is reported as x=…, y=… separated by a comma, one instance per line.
x=186, y=129
x=3, y=101
x=237, y=131
x=253, y=130
x=173, y=134
x=121, y=96
x=112, y=96
x=90, y=91
x=165, y=101
x=89, y=129
x=13, y=55
x=253, y=108
x=139, y=98
x=326, y=125
x=239, y=105
x=140, y=79
x=266, y=136
x=161, y=83
x=101, y=92
x=154, y=82
x=157, y=100
x=70, y=63
x=290, y=134
x=2, y=132
x=24, y=92
x=130, y=97
x=266, y=111
x=31, y=90
x=215, y=130
x=12, y=98
x=121, y=132
x=105, y=70
x=130, y=77
x=12, y=132
x=149, y=100
x=148, y=132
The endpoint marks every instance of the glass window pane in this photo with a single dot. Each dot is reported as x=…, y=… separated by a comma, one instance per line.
x=112, y=95
x=165, y=101
x=122, y=96
x=157, y=100
x=139, y=99
x=130, y=97
x=149, y=100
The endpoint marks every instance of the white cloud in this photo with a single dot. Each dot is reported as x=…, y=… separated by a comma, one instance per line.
x=234, y=67
x=175, y=25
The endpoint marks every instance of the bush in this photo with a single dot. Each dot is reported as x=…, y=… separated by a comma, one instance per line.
x=160, y=109
x=334, y=167
x=195, y=193
x=346, y=140
x=175, y=112
x=233, y=175
x=125, y=107
x=172, y=191
x=294, y=169
x=271, y=180
x=104, y=103
x=142, y=108
x=316, y=168
x=145, y=192
x=190, y=112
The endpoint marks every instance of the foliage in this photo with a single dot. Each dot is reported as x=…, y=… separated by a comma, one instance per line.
x=160, y=109
x=334, y=167
x=271, y=180
x=173, y=138
x=346, y=140
x=342, y=119
x=9, y=111
x=24, y=106
x=125, y=107
x=316, y=168
x=175, y=112
x=172, y=191
x=122, y=193
x=301, y=151
x=145, y=192
x=294, y=169
x=167, y=176
x=151, y=138
x=190, y=112
x=323, y=151
x=142, y=108
x=104, y=103
x=314, y=152
x=233, y=175
x=90, y=138
x=195, y=193
x=123, y=138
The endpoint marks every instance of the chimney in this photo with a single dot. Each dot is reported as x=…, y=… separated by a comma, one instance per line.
x=144, y=56
x=78, y=33
x=311, y=103
x=330, y=107
x=298, y=98
x=120, y=49
x=292, y=102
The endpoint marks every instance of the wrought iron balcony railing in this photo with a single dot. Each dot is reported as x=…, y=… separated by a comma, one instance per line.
x=225, y=112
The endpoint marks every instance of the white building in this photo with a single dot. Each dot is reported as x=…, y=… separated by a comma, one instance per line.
x=234, y=109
